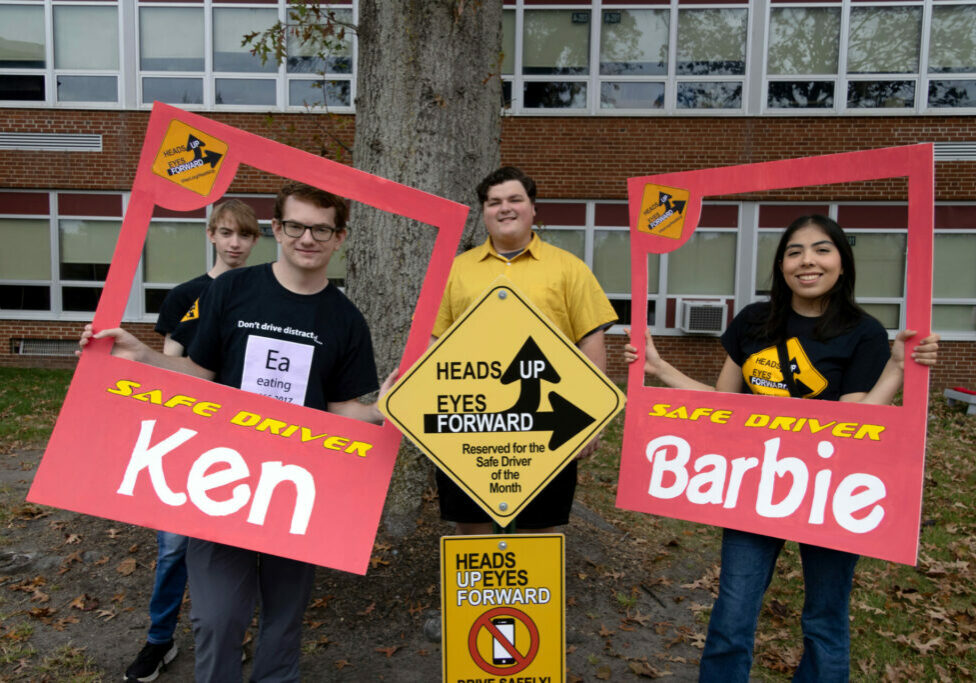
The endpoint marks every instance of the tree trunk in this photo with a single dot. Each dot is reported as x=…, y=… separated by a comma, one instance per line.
x=427, y=115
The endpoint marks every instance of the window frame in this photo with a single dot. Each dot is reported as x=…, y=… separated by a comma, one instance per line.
x=50, y=73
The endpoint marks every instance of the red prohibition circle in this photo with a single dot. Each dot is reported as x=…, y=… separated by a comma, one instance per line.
x=521, y=661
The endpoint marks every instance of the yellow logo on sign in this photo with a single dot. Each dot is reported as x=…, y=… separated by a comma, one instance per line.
x=189, y=158
x=763, y=374
x=502, y=402
x=663, y=211
x=503, y=607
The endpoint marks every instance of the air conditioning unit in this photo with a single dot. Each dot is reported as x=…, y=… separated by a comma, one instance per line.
x=702, y=317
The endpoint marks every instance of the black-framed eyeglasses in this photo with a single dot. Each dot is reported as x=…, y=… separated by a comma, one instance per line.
x=320, y=233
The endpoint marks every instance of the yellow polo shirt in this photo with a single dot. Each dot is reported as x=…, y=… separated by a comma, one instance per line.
x=557, y=282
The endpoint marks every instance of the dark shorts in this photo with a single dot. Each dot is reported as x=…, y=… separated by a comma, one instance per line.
x=550, y=508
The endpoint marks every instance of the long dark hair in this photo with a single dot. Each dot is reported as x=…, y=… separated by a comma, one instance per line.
x=841, y=311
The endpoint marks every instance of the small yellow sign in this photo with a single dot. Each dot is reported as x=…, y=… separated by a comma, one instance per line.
x=190, y=158
x=663, y=211
x=502, y=402
x=503, y=608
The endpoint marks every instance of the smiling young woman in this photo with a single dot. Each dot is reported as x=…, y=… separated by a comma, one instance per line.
x=810, y=340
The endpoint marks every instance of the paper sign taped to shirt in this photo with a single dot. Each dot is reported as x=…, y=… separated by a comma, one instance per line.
x=251, y=468
x=841, y=475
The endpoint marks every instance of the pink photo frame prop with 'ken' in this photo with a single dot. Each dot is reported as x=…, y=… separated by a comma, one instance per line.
x=168, y=451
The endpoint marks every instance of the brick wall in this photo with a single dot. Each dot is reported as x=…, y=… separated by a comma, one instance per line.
x=48, y=329
x=592, y=157
x=570, y=157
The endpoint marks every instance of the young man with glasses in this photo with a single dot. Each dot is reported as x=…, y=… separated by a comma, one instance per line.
x=233, y=230
x=248, y=317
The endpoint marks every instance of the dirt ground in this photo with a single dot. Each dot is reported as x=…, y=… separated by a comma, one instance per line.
x=74, y=592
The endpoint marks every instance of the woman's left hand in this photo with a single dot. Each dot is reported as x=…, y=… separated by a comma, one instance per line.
x=926, y=353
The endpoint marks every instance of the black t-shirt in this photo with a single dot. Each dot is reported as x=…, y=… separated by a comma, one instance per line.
x=848, y=363
x=180, y=309
x=302, y=348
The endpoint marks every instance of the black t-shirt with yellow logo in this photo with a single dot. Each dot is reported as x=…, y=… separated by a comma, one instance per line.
x=181, y=309
x=848, y=363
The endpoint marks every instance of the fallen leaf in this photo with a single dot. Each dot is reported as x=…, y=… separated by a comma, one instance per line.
x=388, y=651
x=72, y=539
x=342, y=664
x=321, y=602
x=113, y=533
x=604, y=673
x=605, y=632
x=100, y=561
x=369, y=608
x=118, y=597
x=70, y=560
x=106, y=614
x=417, y=608
x=375, y=562
x=638, y=618
x=126, y=566
x=644, y=669
x=39, y=596
x=84, y=602
x=60, y=624
x=41, y=613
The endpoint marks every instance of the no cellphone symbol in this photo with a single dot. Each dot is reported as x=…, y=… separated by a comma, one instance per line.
x=485, y=621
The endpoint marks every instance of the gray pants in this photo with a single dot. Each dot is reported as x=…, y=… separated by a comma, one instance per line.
x=225, y=582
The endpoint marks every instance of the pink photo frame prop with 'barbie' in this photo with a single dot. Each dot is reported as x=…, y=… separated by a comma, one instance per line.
x=842, y=475
x=168, y=451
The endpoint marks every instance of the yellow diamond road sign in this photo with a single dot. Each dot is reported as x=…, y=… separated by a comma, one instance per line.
x=502, y=402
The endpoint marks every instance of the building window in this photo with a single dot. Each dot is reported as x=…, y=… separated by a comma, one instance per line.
x=954, y=278
x=25, y=265
x=574, y=58
x=322, y=79
x=86, y=53
x=649, y=59
x=556, y=43
x=952, y=57
x=61, y=245
x=851, y=57
x=80, y=65
x=22, y=53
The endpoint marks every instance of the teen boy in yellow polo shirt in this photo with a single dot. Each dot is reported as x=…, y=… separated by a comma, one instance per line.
x=561, y=286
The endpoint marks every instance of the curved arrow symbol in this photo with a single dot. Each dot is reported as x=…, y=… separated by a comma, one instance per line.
x=530, y=367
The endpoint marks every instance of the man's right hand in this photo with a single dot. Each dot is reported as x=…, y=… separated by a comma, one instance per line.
x=125, y=345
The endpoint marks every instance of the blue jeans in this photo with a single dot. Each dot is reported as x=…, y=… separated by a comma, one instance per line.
x=748, y=561
x=167, y=595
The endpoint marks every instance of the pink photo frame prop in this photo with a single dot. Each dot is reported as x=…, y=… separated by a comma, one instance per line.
x=842, y=475
x=168, y=451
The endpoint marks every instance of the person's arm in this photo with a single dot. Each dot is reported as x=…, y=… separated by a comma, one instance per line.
x=128, y=347
x=729, y=380
x=593, y=347
x=366, y=412
x=171, y=347
x=893, y=375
